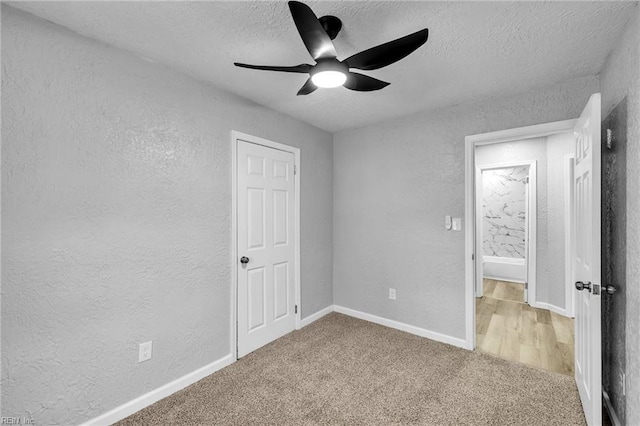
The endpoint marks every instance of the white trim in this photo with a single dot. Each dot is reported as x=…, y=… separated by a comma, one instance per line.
x=612, y=413
x=315, y=317
x=233, y=314
x=471, y=142
x=497, y=278
x=137, y=404
x=569, y=234
x=469, y=242
x=461, y=343
x=531, y=258
x=235, y=137
x=479, y=261
x=531, y=213
x=510, y=135
x=552, y=308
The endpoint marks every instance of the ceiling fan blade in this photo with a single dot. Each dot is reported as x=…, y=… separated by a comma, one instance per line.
x=302, y=68
x=387, y=53
x=307, y=88
x=313, y=35
x=363, y=83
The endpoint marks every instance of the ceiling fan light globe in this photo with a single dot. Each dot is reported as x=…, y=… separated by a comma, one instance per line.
x=328, y=79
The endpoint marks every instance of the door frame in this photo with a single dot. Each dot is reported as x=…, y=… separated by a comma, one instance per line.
x=509, y=135
x=235, y=137
x=569, y=237
x=530, y=224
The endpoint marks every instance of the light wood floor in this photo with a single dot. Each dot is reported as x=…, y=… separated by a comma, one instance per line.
x=509, y=328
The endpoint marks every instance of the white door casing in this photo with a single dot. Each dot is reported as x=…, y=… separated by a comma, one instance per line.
x=588, y=355
x=266, y=227
x=530, y=225
x=527, y=251
x=569, y=237
x=471, y=260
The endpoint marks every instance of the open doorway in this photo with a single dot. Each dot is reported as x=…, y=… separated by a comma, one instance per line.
x=505, y=227
x=522, y=242
x=582, y=250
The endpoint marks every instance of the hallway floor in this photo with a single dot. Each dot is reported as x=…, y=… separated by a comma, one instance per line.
x=509, y=328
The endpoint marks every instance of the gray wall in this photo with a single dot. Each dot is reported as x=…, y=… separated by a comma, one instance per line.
x=393, y=185
x=116, y=214
x=620, y=78
x=549, y=152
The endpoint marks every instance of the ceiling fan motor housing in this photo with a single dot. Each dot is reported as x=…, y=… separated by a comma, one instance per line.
x=329, y=64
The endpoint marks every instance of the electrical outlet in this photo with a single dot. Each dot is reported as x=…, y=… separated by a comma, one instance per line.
x=392, y=293
x=144, y=351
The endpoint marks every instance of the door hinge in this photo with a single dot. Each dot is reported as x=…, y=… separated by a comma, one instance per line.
x=609, y=139
x=296, y=310
x=526, y=286
x=295, y=169
x=526, y=180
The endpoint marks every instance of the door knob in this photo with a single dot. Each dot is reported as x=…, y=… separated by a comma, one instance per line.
x=580, y=286
x=244, y=259
x=609, y=289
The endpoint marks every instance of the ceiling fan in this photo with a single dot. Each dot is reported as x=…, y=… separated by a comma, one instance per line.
x=328, y=70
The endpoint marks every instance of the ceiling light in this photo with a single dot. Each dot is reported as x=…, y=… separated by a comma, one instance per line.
x=329, y=78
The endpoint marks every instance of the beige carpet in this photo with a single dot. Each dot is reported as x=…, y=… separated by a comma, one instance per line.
x=344, y=371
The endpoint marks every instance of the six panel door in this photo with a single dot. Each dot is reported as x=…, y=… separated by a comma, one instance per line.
x=588, y=365
x=266, y=226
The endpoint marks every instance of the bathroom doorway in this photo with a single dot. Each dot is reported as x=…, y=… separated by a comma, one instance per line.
x=506, y=229
x=522, y=235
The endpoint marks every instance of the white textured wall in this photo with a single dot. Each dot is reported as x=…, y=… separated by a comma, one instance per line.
x=558, y=146
x=620, y=78
x=393, y=185
x=116, y=214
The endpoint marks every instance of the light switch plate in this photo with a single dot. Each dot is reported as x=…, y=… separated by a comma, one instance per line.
x=457, y=224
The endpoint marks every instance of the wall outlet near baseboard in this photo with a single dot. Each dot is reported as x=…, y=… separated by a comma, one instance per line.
x=144, y=351
x=392, y=293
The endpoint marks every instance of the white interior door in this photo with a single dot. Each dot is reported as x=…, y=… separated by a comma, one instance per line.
x=266, y=249
x=587, y=261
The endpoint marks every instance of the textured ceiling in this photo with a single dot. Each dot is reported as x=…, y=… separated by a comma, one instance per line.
x=475, y=49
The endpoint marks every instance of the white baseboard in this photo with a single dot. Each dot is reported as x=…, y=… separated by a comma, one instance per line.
x=612, y=413
x=155, y=395
x=461, y=343
x=552, y=308
x=497, y=278
x=314, y=317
